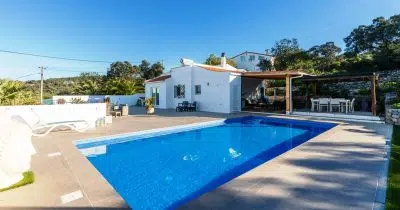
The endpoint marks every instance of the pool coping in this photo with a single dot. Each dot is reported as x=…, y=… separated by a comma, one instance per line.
x=175, y=129
x=97, y=142
x=381, y=185
x=381, y=179
x=90, y=179
x=149, y=133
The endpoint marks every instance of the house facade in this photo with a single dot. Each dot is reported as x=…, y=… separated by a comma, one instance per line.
x=250, y=60
x=213, y=88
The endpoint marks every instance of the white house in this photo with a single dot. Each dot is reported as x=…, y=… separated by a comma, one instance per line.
x=214, y=88
x=250, y=60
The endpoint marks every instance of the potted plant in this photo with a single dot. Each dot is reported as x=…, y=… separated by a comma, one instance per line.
x=149, y=105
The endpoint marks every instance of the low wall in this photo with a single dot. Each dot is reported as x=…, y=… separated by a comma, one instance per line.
x=393, y=116
x=131, y=100
x=57, y=113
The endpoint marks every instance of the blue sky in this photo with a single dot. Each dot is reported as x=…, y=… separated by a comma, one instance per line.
x=168, y=30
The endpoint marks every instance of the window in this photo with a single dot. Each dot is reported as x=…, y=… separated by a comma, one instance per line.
x=252, y=57
x=242, y=58
x=179, y=91
x=260, y=58
x=197, y=89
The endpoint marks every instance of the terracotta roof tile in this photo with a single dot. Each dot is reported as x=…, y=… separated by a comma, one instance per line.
x=158, y=79
x=219, y=69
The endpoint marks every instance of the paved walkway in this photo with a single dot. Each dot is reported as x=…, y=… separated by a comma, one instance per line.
x=336, y=170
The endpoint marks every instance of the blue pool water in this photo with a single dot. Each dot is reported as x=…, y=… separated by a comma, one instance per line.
x=165, y=171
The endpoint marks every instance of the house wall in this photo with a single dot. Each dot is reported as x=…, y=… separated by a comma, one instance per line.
x=247, y=64
x=32, y=114
x=215, y=90
x=179, y=76
x=163, y=92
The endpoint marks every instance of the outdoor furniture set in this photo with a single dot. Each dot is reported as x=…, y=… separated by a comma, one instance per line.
x=331, y=104
x=185, y=106
x=119, y=110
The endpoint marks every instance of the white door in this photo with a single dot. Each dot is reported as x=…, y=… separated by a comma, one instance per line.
x=236, y=103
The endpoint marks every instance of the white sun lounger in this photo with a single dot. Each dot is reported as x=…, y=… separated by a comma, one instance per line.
x=54, y=125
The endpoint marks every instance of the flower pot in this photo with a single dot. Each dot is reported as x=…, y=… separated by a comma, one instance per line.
x=150, y=110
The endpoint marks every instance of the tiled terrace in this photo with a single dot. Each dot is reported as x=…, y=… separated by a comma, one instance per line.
x=336, y=170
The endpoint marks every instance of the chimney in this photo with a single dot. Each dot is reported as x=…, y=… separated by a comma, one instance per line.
x=223, y=60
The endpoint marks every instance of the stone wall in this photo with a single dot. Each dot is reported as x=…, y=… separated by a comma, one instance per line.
x=393, y=116
x=354, y=87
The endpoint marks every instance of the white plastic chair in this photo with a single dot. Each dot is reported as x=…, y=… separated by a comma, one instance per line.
x=314, y=104
x=335, y=103
x=352, y=105
x=323, y=102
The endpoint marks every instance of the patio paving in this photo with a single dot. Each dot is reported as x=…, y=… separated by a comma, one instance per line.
x=336, y=170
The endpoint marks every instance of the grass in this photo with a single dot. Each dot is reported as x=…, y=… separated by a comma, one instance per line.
x=29, y=178
x=393, y=190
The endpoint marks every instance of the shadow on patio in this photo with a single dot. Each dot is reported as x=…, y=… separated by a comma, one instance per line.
x=317, y=175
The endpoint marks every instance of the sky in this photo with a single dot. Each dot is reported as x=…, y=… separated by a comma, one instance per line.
x=165, y=30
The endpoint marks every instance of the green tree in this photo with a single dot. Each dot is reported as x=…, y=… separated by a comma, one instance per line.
x=123, y=86
x=15, y=93
x=147, y=71
x=265, y=65
x=89, y=84
x=214, y=60
x=155, y=70
x=120, y=69
x=381, y=39
x=289, y=55
x=324, y=56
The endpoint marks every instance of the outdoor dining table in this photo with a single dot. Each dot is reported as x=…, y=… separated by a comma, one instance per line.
x=342, y=101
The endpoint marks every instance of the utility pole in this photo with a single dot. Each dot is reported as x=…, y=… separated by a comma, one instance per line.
x=41, y=83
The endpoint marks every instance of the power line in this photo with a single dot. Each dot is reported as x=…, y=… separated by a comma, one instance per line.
x=64, y=58
x=27, y=75
x=53, y=57
x=83, y=71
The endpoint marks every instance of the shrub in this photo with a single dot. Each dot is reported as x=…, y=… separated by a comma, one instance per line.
x=148, y=103
x=364, y=92
x=396, y=106
x=390, y=86
x=78, y=101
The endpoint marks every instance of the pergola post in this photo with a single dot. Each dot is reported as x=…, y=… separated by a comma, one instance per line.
x=287, y=96
x=373, y=94
x=314, y=89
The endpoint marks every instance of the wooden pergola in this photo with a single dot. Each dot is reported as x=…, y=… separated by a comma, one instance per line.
x=314, y=80
x=279, y=75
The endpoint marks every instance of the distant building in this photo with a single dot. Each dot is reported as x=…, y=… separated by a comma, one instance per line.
x=250, y=60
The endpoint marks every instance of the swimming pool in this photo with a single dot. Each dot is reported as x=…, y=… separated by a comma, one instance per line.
x=166, y=168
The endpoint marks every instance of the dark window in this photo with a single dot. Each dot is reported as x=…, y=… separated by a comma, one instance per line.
x=197, y=89
x=179, y=91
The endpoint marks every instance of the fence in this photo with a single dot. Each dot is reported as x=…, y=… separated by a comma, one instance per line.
x=115, y=99
x=57, y=113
